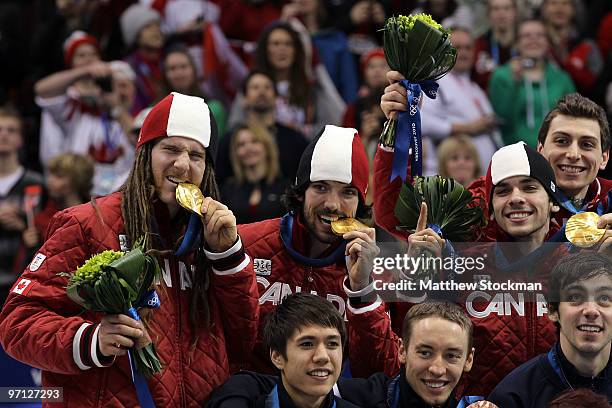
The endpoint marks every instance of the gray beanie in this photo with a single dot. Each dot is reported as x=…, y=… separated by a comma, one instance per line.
x=134, y=19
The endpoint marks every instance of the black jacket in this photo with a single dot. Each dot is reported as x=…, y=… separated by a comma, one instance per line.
x=245, y=389
x=251, y=390
x=538, y=381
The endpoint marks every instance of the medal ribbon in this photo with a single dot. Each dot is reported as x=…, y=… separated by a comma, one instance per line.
x=408, y=132
x=150, y=301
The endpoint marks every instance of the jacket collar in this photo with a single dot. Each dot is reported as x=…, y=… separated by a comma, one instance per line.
x=295, y=239
x=279, y=398
x=401, y=395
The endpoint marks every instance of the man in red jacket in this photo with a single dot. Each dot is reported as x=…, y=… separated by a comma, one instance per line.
x=84, y=352
x=300, y=253
x=574, y=137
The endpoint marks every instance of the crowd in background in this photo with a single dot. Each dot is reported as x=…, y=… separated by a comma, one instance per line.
x=78, y=76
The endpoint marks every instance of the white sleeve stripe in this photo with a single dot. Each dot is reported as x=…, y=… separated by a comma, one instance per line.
x=350, y=293
x=76, y=347
x=236, y=269
x=94, y=346
x=365, y=309
x=215, y=256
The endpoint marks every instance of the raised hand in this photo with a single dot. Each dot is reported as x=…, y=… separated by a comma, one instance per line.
x=394, y=98
x=605, y=244
x=424, y=238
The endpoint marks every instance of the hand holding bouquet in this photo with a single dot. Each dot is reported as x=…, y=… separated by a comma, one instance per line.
x=118, y=283
x=420, y=49
x=447, y=212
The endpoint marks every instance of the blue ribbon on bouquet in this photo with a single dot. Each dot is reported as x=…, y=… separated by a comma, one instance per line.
x=408, y=131
x=150, y=301
x=192, y=237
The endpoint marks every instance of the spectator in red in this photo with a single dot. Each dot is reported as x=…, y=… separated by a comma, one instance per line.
x=374, y=68
x=579, y=57
x=142, y=36
x=69, y=183
x=246, y=19
x=580, y=398
x=494, y=48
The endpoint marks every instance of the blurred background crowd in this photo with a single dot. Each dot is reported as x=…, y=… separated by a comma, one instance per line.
x=77, y=78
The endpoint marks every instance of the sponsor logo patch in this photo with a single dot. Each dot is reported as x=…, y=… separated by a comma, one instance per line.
x=23, y=287
x=37, y=261
x=262, y=266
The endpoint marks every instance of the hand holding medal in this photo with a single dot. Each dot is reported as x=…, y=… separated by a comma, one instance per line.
x=581, y=230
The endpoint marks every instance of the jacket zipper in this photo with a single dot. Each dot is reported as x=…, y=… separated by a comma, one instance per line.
x=177, y=288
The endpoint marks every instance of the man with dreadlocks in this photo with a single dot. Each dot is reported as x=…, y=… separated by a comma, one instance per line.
x=84, y=352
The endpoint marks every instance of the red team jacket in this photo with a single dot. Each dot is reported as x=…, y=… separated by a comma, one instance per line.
x=42, y=327
x=509, y=328
x=281, y=269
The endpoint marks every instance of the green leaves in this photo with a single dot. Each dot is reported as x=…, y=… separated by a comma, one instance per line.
x=418, y=47
x=448, y=204
x=113, y=282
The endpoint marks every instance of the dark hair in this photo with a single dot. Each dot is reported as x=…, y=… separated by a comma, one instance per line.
x=251, y=74
x=489, y=5
x=293, y=200
x=449, y=9
x=138, y=211
x=444, y=310
x=296, y=311
x=580, y=398
x=577, y=106
x=194, y=88
x=10, y=112
x=298, y=81
x=575, y=268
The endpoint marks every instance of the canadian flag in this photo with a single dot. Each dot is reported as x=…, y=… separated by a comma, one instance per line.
x=23, y=286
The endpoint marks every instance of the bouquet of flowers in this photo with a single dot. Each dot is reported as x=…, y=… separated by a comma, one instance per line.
x=118, y=283
x=448, y=203
x=449, y=214
x=420, y=49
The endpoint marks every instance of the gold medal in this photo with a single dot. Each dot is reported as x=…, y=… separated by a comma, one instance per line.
x=344, y=225
x=190, y=197
x=581, y=229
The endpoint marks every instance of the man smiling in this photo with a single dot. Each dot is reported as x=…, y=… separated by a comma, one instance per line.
x=580, y=304
x=436, y=350
x=299, y=252
x=574, y=137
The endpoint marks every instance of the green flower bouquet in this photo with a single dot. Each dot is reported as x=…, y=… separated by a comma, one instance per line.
x=451, y=213
x=420, y=49
x=450, y=209
x=116, y=282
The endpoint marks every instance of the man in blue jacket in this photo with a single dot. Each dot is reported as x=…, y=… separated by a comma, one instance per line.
x=580, y=304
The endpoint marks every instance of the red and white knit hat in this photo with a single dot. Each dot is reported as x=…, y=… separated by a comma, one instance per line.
x=335, y=154
x=76, y=39
x=181, y=115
